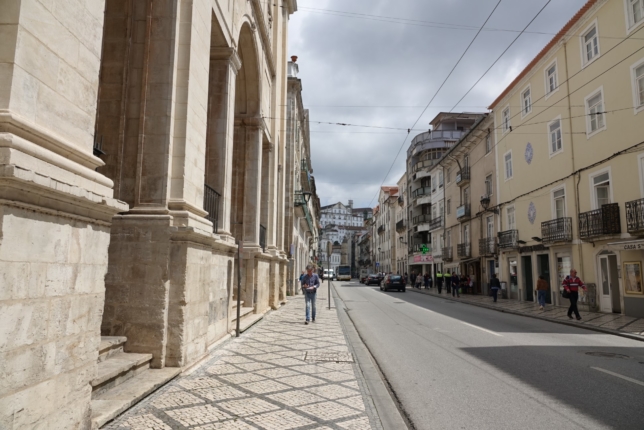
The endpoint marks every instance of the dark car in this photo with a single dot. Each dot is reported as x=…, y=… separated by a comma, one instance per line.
x=393, y=282
x=372, y=279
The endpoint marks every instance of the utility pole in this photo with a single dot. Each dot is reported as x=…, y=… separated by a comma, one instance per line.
x=329, y=248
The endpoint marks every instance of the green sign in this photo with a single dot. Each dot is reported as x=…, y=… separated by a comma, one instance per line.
x=424, y=249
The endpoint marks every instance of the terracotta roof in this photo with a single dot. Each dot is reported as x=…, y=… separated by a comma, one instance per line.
x=545, y=50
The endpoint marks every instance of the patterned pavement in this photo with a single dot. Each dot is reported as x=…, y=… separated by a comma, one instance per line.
x=274, y=377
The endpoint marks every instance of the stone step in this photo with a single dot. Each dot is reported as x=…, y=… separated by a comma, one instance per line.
x=117, y=369
x=114, y=402
x=235, y=304
x=242, y=313
x=247, y=319
x=109, y=346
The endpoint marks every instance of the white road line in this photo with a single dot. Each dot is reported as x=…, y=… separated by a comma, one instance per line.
x=482, y=329
x=626, y=378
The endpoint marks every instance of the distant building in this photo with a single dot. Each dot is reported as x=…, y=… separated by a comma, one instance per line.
x=342, y=222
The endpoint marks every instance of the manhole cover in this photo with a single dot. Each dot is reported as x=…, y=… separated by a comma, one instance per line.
x=607, y=354
x=329, y=357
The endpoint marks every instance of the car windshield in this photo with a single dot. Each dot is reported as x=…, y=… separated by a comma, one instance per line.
x=373, y=276
x=395, y=278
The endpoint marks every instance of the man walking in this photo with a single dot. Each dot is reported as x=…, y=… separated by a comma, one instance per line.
x=447, y=277
x=572, y=284
x=495, y=286
x=439, y=280
x=310, y=285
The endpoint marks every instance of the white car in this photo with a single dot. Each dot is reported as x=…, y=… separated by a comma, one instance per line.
x=329, y=273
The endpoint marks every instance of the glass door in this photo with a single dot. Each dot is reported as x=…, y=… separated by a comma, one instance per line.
x=609, y=296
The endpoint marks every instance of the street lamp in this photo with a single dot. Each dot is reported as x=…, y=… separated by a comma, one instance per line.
x=485, y=202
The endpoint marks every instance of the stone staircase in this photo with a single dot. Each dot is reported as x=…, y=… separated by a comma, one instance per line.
x=122, y=380
x=246, y=317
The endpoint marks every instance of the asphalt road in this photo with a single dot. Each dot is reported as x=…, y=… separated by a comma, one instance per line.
x=457, y=366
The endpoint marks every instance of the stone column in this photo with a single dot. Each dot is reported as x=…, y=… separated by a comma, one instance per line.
x=254, y=135
x=224, y=65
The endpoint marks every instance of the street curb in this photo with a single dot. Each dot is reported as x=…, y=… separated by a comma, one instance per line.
x=388, y=413
x=554, y=320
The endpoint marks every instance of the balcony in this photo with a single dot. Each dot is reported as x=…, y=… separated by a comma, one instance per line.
x=436, y=223
x=600, y=222
x=381, y=229
x=300, y=202
x=635, y=217
x=463, y=177
x=421, y=192
x=463, y=212
x=211, y=205
x=401, y=201
x=447, y=254
x=400, y=226
x=509, y=239
x=487, y=246
x=464, y=250
x=424, y=164
x=556, y=230
x=418, y=248
x=421, y=219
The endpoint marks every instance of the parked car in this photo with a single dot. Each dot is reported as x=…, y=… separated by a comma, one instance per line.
x=374, y=278
x=393, y=282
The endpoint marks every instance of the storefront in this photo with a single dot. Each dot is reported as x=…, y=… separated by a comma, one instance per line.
x=619, y=275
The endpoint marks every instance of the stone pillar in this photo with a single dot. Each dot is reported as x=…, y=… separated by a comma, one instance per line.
x=224, y=65
x=254, y=135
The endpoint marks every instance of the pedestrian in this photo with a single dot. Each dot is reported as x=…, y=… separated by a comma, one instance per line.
x=447, y=277
x=571, y=285
x=457, y=283
x=406, y=279
x=542, y=290
x=426, y=281
x=419, y=281
x=439, y=279
x=495, y=286
x=302, y=275
x=310, y=285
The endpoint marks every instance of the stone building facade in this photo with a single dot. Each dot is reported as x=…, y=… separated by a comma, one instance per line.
x=139, y=145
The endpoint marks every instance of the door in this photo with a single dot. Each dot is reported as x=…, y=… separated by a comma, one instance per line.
x=609, y=297
x=514, y=286
x=526, y=262
x=543, y=269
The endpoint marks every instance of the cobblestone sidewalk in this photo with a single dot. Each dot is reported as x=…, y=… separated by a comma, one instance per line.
x=610, y=323
x=263, y=380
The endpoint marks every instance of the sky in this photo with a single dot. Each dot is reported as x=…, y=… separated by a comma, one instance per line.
x=378, y=63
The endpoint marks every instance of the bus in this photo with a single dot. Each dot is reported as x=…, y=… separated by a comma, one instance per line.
x=344, y=273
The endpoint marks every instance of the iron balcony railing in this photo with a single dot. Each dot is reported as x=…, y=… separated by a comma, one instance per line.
x=600, y=222
x=463, y=176
x=436, y=223
x=299, y=201
x=381, y=229
x=463, y=212
x=635, y=216
x=421, y=219
x=400, y=226
x=211, y=205
x=556, y=230
x=418, y=247
x=464, y=250
x=425, y=191
x=447, y=253
x=401, y=200
x=262, y=237
x=509, y=239
x=487, y=246
x=423, y=164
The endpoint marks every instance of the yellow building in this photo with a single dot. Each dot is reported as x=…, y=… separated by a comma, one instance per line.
x=569, y=143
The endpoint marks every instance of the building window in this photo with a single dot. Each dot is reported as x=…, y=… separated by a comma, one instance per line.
x=440, y=179
x=590, y=45
x=601, y=185
x=490, y=226
x=554, y=131
x=449, y=175
x=559, y=200
x=488, y=185
x=526, y=102
x=595, y=112
x=488, y=143
x=508, y=165
x=635, y=12
x=511, y=221
x=551, y=78
x=448, y=208
x=638, y=85
x=506, y=119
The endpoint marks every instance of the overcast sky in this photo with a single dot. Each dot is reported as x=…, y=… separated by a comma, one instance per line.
x=379, y=62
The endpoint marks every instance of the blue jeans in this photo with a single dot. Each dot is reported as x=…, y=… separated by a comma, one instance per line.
x=541, y=297
x=495, y=293
x=310, y=305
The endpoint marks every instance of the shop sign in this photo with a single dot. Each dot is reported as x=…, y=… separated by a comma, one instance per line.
x=634, y=245
x=423, y=259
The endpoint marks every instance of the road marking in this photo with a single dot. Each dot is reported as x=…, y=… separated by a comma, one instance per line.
x=482, y=329
x=626, y=378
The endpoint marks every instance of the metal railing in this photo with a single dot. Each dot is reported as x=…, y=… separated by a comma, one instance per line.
x=509, y=239
x=211, y=205
x=418, y=247
x=425, y=191
x=436, y=223
x=400, y=226
x=556, y=230
x=463, y=176
x=401, y=200
x=463, y=211
x=423, y=164
x=600, y=222
x=464, y=250
x=262, y=237
x=447, y=253
x=487, y=246
x=635, y=216
x=420, y=219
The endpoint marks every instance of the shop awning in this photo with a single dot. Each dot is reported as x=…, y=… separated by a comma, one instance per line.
x=628, y=245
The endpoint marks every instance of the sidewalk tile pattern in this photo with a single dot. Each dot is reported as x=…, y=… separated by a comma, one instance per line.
x=261, y=381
